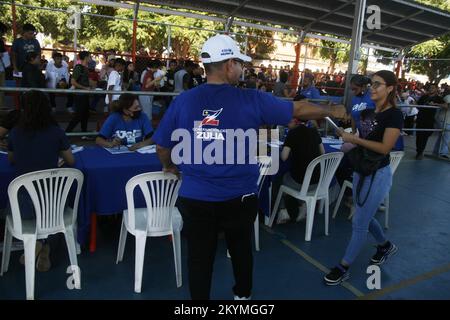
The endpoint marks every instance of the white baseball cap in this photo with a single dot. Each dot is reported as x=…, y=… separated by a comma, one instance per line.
x=220, y=48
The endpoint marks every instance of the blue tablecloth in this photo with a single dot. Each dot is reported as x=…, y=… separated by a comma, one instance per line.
x=105, y=177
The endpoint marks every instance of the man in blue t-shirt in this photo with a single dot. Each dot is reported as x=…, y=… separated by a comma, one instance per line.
x=221, y=194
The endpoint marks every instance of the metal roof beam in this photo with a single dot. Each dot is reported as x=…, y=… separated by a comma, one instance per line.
x=328, y=14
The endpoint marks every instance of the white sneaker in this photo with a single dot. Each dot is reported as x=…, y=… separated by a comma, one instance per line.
x=242, y=298
x=283, y=217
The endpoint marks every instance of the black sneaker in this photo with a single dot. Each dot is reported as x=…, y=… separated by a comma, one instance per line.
x=336, y=276
x=383, y=252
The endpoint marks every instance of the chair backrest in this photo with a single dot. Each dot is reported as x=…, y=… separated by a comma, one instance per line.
x=264, y=163
x=396, y=157
x=160, y=190
x=48, y=190
x=329, y=162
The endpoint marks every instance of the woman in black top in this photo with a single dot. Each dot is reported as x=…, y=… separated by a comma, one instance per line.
x=387, y=125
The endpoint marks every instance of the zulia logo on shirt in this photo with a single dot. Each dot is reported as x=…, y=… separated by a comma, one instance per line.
x=210, y=118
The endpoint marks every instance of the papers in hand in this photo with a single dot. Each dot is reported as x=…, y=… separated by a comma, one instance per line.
x=331, y=141
x=118, y=150
x=147, y=149
x=3, y=152
x=6, y=60
x=17, y=74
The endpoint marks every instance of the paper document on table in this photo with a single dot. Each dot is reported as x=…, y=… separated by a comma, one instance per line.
x=118, y=150
x=147, y=149
x=331, y=141
x=336, y=146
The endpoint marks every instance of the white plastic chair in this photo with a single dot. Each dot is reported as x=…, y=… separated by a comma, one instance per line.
x=395, y=158
x=328, y=164
x=48, y=190
x=159, y=218
x=264, y=163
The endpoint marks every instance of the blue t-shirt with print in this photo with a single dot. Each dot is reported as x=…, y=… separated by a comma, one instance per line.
x=310, y=93
x=22, y=47
x=218, y=162
x=359, y=104
x=130, y=132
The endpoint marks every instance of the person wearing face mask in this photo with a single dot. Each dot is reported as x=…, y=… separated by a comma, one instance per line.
x=126, y=125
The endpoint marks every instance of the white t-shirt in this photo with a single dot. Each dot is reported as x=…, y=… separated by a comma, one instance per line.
x=53, y=74
x=159, y=74
x=408, y=111
x=115, y=80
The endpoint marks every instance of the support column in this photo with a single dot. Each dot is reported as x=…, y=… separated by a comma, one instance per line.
x=358, y=25
x=169, y=45
x=135, y=17
x=296, y=75
x=304, y=63
x=14, y=18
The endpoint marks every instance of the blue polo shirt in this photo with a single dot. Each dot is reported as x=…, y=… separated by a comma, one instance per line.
x=206, y=114
x=130, y=132
x=310, y=92
x=360, y=104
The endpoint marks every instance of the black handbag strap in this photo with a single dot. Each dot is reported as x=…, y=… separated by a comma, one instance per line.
x=359, y=187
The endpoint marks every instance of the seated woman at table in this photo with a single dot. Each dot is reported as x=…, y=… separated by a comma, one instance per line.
x=303, y=145
x=126, y=125
x=34, y=144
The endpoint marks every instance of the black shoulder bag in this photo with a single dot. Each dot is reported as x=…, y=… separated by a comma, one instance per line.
x=365, y=162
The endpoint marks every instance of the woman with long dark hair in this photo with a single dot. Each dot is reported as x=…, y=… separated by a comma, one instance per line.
x=387, y=125
x=35, y=144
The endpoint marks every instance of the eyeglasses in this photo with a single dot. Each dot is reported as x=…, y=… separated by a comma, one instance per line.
x=376, y=84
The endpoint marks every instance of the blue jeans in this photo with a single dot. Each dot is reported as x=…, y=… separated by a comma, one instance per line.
x=363, y=219
x=445, y=142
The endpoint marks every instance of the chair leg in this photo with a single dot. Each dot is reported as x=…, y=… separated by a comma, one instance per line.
x=72, y=249
x=177, y=257
x=77, y=245
x=122, y=241
x=275, y=208
x=352, y=212
x=256, y=226
x=386, y=213
x=141, y=238
x=93, y=238
x=321, y=206
x=29, y=245
x=338, y=202
x=327, y=214
x=310, y=208
x=7, y=243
